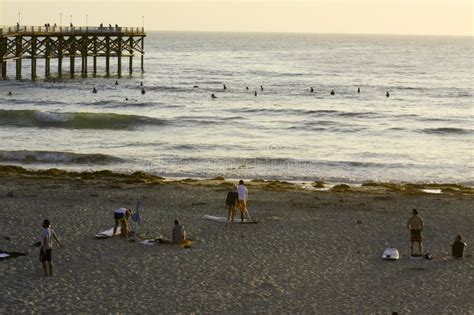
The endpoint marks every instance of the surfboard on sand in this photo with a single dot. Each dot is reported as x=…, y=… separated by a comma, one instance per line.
x=224, y=220
x=108, y=233
x=390, y=253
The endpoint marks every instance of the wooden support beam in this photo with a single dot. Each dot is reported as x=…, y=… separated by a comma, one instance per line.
x=130, y=51
x=85, y=43
x=107, y=56
x=47, y=57
x=18, y=52
x=3, y=63
x=119, y=56
x=95, y=56
x=143, y=53
x=60, y=55
x=72, y=55
x=33, y=58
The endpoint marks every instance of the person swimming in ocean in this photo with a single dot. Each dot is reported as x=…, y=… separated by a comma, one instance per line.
x=387, y=94
x=333, y=93
x=247, y=88
x=10, y=93
x=261, y=87
x=143, y=91
x=225, y=87
x=94, y=90
x=311, y=90
x=213, y=96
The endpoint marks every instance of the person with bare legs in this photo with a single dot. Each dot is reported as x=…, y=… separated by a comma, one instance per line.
x=231, y=203
x=47, y=247
x=243, y=197
x=415, y=225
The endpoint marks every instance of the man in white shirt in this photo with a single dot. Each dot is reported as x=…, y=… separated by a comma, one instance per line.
x=243, y=197
x=47, y=247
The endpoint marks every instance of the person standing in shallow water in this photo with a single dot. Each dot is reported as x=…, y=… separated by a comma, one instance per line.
x=46, y=250
x=415, y=225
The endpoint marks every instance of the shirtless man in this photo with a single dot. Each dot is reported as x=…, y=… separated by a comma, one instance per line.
x=415, y=225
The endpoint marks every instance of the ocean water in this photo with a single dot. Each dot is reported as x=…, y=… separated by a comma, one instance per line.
x=422, y=132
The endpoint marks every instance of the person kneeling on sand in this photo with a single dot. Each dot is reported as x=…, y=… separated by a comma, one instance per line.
x=230, y=203
x=415, y=225
x=243, y=196
x=121, y=216
x=46, y=249
x=457, y=249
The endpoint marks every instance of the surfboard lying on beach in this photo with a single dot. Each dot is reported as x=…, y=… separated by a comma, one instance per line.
x=108, y=233
x=4, y=255
x=222, y=219
x=390, y=253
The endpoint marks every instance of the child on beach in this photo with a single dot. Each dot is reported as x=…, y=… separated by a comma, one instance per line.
x=243, y=197
x=457, y=250
x=415, y=225
x=46, y=249
x=230, y=203
x=121, y=216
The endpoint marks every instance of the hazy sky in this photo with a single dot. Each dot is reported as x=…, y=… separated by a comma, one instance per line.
x=443, y=17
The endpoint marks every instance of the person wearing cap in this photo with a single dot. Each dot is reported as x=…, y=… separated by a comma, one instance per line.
x=46, y=250
x=121, y=216
x=415, y=225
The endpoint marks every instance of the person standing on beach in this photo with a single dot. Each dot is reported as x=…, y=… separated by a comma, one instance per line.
x=415, y=225
x=121, y=216
x=46, y=249
x=243, y=197
x=178, y=234
x=457, y=250
x=230, y=203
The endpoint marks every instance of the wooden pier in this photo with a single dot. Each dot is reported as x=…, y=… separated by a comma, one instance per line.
x=46, y=42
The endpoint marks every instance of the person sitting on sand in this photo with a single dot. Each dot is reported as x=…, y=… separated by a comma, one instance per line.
x=121, y=216
x=243, y=197
x=178, y=233
x=47, y=247
x=415, y=225
x=230, y=203
x=457, y=249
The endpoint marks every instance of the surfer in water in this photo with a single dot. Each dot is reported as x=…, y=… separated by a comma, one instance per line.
x=311, y=90
x=261, y=87
x=255, y=93
x=116, y=82
x=143, y=91
x=333, y=93
x=94, y=90
x=10, y=93
x=387, y=94
x=358, y=90
x=224, y=87
x=213, y=96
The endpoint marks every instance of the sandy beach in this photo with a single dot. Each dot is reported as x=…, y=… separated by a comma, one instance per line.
x=308, y=253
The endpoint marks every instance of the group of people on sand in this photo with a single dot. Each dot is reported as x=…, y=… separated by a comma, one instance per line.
x=237, y=199
x=415, y=224
x=122, y=216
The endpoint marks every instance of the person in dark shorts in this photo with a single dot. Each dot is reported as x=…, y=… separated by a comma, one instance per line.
x=231, y=202
x=457, y=250
x=46, y=249
x=415, y=225
x=121, y=216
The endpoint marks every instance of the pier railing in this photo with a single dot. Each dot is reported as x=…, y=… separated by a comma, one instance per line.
x=69, y=30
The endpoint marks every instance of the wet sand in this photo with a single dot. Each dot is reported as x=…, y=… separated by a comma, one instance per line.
x=307, y=254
